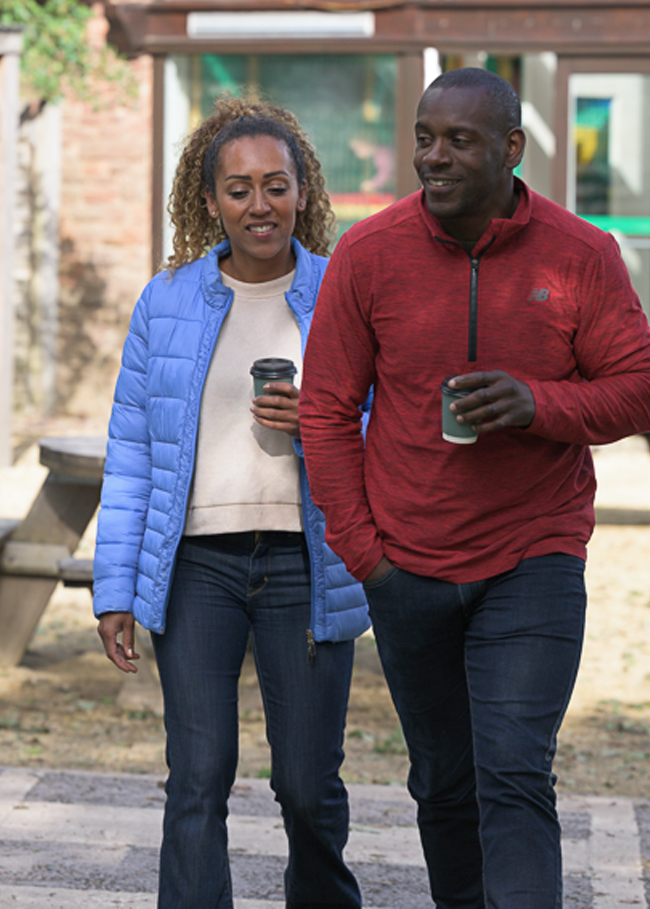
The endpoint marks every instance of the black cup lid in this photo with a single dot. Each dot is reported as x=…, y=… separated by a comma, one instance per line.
x=456, y=392
x=273, y=368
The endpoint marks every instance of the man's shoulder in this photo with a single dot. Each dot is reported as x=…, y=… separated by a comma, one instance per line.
x=390, y=222
x=571, y=229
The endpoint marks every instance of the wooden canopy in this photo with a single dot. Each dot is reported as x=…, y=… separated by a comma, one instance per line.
x=592, y=27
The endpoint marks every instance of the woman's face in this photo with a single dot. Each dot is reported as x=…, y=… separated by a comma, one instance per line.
x=257, y=196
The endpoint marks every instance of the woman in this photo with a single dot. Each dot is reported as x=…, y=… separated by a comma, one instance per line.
x=207, y=532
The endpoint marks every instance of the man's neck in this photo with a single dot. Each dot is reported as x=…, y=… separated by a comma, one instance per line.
x=469, y=234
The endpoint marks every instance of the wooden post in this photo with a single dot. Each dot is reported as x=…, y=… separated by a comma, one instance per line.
x=10, y=48
x=410, y=85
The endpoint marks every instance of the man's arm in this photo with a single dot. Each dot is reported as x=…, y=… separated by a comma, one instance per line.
x=609, y=398
x=338, y=370
x=612, y=351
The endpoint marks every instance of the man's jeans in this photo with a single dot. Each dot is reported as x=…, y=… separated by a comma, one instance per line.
x=224, y=587
x=481, y=675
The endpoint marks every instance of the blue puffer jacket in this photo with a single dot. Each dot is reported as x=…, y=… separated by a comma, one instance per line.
x=151, y=449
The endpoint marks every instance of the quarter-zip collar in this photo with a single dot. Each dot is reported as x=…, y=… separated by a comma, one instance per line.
x=500, y=230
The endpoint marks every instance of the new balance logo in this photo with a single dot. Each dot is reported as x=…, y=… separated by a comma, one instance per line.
x=539, y=294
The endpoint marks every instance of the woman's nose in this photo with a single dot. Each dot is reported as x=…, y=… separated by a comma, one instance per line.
x=260, y=202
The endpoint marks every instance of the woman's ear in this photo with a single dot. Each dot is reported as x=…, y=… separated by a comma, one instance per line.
x=301, y=204
x=213, y=208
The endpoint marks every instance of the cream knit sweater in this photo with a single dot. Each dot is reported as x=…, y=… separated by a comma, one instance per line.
x=246, y=476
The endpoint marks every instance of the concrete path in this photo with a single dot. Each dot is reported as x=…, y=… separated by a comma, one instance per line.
x=73, y=839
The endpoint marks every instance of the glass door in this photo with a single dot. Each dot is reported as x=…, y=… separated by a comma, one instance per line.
x=345, y=103
x=608, y=162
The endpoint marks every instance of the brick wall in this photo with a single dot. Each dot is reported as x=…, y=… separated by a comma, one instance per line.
x=105, y=230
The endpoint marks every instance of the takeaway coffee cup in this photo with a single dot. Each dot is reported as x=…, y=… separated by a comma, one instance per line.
x=452, y=430
x=271, y=369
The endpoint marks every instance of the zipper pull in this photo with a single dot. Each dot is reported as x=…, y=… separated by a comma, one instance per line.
x=311, y=646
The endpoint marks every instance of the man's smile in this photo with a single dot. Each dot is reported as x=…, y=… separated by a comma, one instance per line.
x=440, y=181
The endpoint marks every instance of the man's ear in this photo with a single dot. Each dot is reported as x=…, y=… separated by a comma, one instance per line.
x=515, y=145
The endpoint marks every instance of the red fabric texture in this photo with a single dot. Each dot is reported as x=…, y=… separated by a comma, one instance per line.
x=556, y=310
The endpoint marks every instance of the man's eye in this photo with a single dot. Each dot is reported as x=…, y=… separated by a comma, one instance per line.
x=423, y=140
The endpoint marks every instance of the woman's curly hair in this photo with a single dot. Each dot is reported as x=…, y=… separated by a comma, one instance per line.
x=195, y=232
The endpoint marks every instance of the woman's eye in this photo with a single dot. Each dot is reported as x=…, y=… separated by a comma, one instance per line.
x=238, y=193
x=278, y=190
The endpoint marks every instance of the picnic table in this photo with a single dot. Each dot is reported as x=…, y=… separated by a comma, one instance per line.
x=38, y=551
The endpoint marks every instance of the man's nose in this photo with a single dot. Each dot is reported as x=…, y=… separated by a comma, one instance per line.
x=438, y=152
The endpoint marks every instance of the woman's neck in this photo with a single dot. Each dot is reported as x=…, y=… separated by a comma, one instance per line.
x=257, y=271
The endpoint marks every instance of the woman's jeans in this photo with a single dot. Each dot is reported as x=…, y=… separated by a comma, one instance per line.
x=225, y=587
x=481, y=675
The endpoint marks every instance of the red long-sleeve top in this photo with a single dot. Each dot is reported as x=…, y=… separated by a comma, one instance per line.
x=554, y=307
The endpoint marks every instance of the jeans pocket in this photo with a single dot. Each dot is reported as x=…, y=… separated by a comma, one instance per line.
x=381, y=581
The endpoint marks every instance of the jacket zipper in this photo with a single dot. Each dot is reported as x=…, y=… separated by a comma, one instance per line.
x=304, y=487
x=472, y=345
x=473, y=310
x=475, y=261
x=191, y=470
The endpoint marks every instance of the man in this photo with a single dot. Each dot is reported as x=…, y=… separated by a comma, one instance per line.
x=473, y=555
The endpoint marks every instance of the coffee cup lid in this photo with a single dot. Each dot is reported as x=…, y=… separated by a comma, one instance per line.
x=456, y=392
x=273, y=368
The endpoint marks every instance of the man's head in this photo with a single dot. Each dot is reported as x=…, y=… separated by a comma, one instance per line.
x=468, y=142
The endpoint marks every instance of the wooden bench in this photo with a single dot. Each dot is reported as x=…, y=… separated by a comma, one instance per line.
x=38, y=551
x=638, y=517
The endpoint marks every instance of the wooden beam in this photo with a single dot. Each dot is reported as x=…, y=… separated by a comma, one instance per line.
x=505, y=26
x=39, y=560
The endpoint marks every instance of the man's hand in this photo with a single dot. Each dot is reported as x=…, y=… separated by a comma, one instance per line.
x=382, y=568
x=501, y=402
x=278, y=408
x=111, y=625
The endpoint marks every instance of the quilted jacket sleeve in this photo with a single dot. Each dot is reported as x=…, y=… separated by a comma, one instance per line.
x=127, y=476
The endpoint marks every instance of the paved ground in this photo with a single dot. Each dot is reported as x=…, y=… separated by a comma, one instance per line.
x=71, y=839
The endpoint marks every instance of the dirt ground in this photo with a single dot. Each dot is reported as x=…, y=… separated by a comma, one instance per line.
x=66, y=706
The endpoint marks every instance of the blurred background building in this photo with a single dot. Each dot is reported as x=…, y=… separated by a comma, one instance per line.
x=91, y=225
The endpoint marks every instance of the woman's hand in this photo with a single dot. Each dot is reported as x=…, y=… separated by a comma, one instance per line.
x=278, y=408
x=111, y=625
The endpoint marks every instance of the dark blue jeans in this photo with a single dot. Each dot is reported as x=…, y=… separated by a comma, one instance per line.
x=225, y=587
x=481, y=675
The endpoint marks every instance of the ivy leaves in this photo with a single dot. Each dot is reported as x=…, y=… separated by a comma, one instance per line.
x=58, y=55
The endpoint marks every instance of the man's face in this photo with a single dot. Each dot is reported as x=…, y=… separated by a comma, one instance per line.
x=463, y=161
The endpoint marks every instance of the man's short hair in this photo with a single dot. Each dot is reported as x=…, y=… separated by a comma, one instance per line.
x=505, y=107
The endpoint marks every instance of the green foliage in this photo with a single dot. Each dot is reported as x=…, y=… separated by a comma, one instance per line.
x=57, y=54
